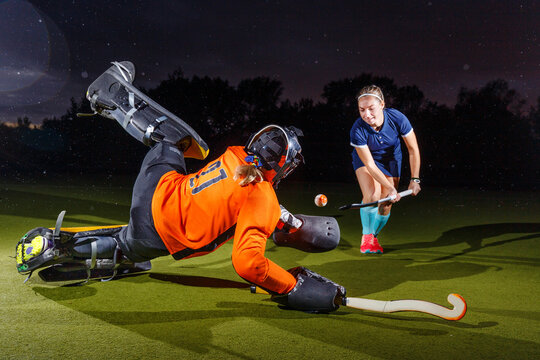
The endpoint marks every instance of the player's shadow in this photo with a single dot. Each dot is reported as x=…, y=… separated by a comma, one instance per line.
x=475, y=237
x=344, y=245
x=199, y=281
x=392, y=272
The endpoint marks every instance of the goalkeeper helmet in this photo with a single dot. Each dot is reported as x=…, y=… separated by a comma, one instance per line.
x=278, y=149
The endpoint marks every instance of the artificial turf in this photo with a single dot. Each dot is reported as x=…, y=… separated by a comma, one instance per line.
x=482, y=245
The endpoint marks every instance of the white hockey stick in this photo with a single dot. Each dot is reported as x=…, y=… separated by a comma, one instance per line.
x=358, y=206
x=459, y=310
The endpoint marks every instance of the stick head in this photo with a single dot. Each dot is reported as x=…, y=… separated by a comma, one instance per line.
x=460, y=306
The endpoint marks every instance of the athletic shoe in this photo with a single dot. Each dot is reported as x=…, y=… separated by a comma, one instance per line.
x=370, y=245
x=378, y=248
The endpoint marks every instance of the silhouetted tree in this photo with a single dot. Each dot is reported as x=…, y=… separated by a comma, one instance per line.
x=23, y=122
x=486, y=139
x=492, y=142
x=259, y=98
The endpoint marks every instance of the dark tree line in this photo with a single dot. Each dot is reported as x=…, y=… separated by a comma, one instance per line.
x=487, y=139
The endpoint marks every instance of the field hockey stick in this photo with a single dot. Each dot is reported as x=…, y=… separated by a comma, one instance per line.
x=361, y=205
x=426, y=307
x=459, y=310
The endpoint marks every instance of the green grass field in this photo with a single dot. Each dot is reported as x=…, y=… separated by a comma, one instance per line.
x=482, y=245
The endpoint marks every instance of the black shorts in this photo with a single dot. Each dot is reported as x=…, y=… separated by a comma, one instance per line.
x=140, y=241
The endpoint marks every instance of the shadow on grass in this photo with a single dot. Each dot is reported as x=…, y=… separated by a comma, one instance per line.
x=47, y=207
x=387, y=273
x=176, y=321
x=199, y=281
x=390, y=272
x=475, y=237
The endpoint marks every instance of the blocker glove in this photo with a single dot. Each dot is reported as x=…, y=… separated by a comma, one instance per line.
x=312, y=293
x=312, y=234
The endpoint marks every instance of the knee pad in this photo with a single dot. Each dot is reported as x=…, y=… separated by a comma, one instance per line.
x=113, y=95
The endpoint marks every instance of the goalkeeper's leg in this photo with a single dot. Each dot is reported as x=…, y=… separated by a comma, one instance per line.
x=114, y=96
x=73, y=253
x=140, y=240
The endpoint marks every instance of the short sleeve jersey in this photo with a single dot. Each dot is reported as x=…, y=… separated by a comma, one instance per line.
x=191, y=211
x=383, y=144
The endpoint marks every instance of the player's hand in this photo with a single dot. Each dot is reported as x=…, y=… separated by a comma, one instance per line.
x=393, y=192
x=415, y=187
x=313, y=292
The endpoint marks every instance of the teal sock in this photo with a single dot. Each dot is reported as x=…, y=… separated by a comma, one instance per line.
x=368, y=216
x=379, y=222
x=373, y=211
x=365, y=216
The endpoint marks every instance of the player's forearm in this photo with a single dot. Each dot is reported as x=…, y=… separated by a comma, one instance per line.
x=414, y=161
x=257, y=269
x=414, y=154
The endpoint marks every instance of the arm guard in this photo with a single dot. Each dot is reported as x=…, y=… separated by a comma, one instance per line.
x=316, y=234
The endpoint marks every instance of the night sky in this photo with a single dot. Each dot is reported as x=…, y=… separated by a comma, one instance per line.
x=52, y=50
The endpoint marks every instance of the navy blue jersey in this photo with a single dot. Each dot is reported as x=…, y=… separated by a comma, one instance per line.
x=384, y=145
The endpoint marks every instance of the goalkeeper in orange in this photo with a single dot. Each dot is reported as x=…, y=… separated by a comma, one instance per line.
x=187, y=215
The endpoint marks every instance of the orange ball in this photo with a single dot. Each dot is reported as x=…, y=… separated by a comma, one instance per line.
x=321, y=200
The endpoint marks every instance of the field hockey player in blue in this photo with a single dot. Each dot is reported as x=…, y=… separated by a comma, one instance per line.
x=376, y=159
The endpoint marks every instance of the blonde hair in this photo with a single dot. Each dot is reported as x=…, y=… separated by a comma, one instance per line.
x=249, y=174
x=372, y=90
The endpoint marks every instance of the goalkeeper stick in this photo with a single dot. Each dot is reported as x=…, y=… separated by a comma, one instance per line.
x=459, y=310
x=454, y=314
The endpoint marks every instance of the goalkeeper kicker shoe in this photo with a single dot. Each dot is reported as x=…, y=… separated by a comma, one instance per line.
x=29, y=250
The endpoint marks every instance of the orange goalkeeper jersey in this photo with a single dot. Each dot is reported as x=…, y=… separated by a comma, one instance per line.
x=191, y=211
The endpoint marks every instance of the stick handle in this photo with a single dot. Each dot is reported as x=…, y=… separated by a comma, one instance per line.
x=402, y=194
x=361, y=205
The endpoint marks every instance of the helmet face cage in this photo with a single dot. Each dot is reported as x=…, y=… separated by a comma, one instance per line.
x=278, y=149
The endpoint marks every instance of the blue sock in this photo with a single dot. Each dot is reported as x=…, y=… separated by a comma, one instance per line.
x=380, y=221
